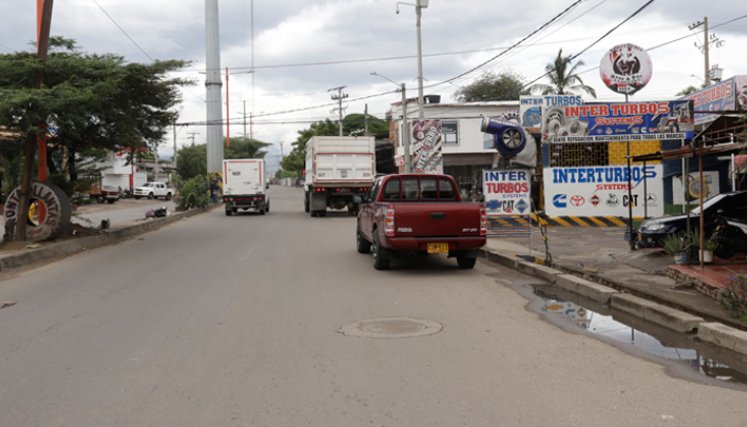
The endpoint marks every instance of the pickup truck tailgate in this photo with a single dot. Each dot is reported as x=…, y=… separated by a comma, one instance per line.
x=438, y=219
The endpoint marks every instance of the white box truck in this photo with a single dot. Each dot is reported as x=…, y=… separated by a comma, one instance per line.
x=338, y=168
x=244, y=186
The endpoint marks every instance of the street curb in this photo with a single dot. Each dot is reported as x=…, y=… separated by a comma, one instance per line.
x=499, y=258
x=76, y=245
x=723, y=336
x=594, y=291
x=542, y=271
x=662, y=315
x=715, y=333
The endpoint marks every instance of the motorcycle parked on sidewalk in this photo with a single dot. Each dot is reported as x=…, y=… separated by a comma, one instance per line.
x=730, y=237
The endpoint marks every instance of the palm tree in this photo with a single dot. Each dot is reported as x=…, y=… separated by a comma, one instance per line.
x=563, y=77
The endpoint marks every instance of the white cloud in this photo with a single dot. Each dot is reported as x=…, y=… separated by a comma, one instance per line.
x=337, y=32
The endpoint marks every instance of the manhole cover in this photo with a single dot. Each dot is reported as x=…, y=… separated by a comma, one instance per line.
x=391, y=327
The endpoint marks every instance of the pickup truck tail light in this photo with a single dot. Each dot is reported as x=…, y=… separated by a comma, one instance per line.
x=389, y=221
x=483, y=222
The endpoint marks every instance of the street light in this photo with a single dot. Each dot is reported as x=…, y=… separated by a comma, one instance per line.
x=419, y=6
x=405, y=126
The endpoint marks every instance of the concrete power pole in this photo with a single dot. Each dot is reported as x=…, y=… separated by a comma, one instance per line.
x=339, y=97
x=213, y=86
x=708, y=39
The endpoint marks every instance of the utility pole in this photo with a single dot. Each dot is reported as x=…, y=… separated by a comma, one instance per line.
x=44, y=23
x=213, y=86
x=708, y=39
x=174, y=160
x=244, y=116
x=365, y=121
x=339, y=97
x=192, y=136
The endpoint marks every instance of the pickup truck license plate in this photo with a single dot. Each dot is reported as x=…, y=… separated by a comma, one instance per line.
x=438, y=248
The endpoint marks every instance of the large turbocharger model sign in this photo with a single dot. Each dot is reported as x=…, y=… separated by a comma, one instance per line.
x=626, y=68
x=48, y=215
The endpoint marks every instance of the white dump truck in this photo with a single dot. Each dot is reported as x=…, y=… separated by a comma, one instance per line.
x=338, y=168
x=244, y=186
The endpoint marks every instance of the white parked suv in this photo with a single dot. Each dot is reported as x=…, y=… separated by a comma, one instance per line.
x=154, y=190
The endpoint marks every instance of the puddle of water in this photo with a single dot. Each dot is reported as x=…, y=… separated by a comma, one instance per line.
x=678, y=348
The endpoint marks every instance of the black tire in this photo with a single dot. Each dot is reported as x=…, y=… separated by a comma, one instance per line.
x=168, y=196
x=262, y=211
x=137, y=197
x=111, y=201
x=150, y=196
x=267, y=207
x=313, y=214
x=725, y=250
x=466, y=262
x=228, y=212
x=382, y=259
x=306, y=202
x=363, y=245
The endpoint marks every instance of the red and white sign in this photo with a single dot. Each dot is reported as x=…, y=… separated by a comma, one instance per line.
x=626, y=68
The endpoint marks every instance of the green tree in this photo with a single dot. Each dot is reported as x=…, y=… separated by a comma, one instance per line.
x=90, y=100
x=354, y=124
x=687, y=91
x=504, y=86
x=245, y=148
x=191, y=161
x=564, y=78
x=293, y=163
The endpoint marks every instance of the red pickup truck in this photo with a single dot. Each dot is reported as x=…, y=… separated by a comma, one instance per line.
x=419, y=214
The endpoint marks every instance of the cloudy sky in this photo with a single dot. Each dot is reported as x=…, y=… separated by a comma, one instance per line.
x=300, y=49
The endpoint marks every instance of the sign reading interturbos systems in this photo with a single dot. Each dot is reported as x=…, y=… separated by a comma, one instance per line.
x=507, y=192
x=603, y=190
x=606, y=122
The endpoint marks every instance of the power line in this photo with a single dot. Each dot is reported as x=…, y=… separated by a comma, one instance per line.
x=123, y=31
x=640, y=9
x=542, y=27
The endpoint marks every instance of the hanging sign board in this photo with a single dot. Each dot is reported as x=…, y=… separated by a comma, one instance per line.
x=426, y=147
x=626, y=68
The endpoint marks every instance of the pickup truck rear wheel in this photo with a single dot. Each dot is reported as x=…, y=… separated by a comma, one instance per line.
x=168, y=196
x=380, y=255
x=306, y=202
x=150, y=195
x=228, y=212
x=363, y=245
x=466, y=262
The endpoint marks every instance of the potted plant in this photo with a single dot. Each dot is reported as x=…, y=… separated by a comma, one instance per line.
x=709, y=245
x=677, y=245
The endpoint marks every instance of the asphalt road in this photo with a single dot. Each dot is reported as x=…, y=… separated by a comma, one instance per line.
x=237, y=321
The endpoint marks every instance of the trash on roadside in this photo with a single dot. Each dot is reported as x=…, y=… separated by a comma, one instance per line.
x=157, y=213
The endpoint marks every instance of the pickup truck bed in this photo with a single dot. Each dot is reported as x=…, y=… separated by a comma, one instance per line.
x=419, y=214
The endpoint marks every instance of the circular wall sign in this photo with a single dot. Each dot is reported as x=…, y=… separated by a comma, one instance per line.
x=626, y=68
x=48, y=215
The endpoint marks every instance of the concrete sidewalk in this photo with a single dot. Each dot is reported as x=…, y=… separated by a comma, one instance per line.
x=581, y=259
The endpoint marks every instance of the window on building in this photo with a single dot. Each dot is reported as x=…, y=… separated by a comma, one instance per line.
x=450, y=132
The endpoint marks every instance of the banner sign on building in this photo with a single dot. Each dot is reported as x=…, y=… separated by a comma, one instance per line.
x=626, y=68
x=507, y=201
x=606, y=122
x=603, y=190
x=426, y=154
x=728, y=95
x=530, y=111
